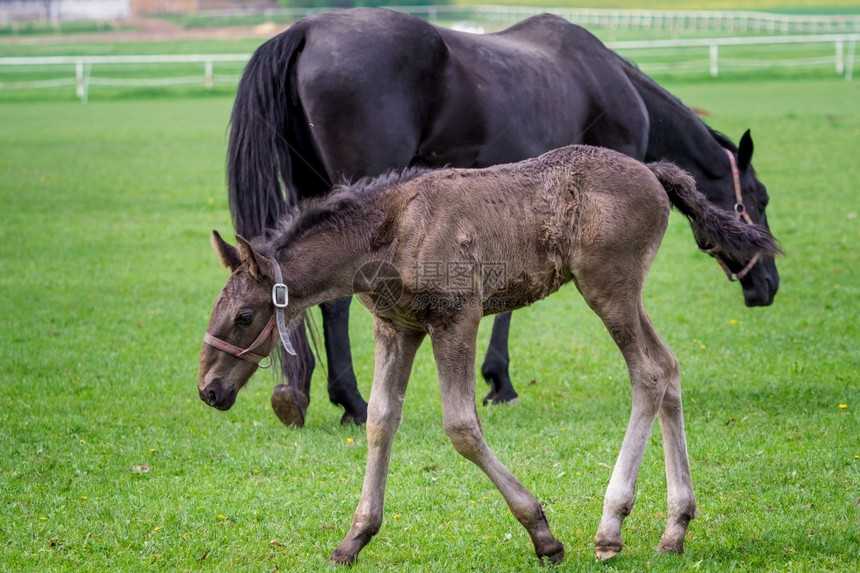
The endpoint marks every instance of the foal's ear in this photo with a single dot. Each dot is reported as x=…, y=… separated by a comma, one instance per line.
x=259, y=267
x=227, y=254
x=745, y=150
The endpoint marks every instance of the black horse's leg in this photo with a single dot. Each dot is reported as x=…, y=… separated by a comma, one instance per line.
x=342, y=385
x=290, y=401
x=495, y=367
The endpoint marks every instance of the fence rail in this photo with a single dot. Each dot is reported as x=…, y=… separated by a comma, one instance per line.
x=733, y=21
x=84, y=78
x=614, y=19
x=841, y=58
x=675, y=20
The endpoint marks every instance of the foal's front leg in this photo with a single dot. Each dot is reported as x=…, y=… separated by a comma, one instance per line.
x=454, y=349
x=395, y=352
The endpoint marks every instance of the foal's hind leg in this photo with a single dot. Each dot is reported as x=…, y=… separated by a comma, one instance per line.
x=395, y=352
x=454, y=349
x=680, y=500
x=654, y=377
x=655, y=382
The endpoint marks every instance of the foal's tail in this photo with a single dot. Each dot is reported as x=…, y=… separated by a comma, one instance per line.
x=258, y=155
x=714, y=228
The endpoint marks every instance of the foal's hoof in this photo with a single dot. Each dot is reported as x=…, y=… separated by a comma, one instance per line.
x=606, y=550
x=290, y=405
x=671, y=546
x=342, y=557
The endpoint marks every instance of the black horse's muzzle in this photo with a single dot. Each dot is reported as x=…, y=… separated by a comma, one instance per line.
x=761, y=284
x=219, y=395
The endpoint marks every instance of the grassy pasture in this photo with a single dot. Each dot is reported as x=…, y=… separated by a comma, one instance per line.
x=108, y=460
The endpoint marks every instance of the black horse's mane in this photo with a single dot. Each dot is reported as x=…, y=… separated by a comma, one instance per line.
x=642, y=76
x=722, y=139
x=346, y=202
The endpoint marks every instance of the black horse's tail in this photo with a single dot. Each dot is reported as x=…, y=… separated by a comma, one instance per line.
x=714, y=228
x=259, y=173
x=258, y=155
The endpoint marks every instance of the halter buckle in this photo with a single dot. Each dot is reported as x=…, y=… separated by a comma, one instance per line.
x=280, y=295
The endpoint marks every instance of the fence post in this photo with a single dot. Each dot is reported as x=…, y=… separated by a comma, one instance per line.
x=79, y=80
x=849, y=65
x=840, y=57
x=715, y=64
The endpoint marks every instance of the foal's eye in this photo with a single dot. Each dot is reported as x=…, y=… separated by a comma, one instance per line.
x=245, y=317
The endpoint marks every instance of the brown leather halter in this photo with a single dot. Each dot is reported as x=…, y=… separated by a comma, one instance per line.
x=741, y=212
x=280, y=299
x=243, y=353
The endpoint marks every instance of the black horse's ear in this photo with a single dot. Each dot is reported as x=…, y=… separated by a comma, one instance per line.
x=259, y=267
x=745, y=150
x=227, y=254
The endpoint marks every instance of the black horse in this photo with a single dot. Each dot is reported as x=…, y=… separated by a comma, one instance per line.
x=354, y=93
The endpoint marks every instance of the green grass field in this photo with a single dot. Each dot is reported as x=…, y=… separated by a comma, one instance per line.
x=109, y=461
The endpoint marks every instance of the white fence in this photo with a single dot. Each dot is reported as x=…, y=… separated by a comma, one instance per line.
x=841, y=58
x=83, y=66
x=667, y=20
x=672, y=21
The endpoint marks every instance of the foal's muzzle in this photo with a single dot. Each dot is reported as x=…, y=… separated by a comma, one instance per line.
x=219, y=395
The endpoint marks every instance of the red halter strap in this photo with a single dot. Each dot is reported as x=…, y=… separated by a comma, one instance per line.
x=741, y=212
x=243, y=353
x=736, y=180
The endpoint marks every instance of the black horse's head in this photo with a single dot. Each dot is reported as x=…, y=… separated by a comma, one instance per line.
x=748, y=197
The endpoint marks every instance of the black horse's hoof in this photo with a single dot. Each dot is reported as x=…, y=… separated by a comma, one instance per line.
x=350, y=418
x=290, y=405
x=502, y=397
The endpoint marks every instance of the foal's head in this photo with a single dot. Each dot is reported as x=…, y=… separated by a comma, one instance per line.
x=241, y=331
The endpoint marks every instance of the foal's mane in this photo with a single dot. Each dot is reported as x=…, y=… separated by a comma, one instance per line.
x=346, y=202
